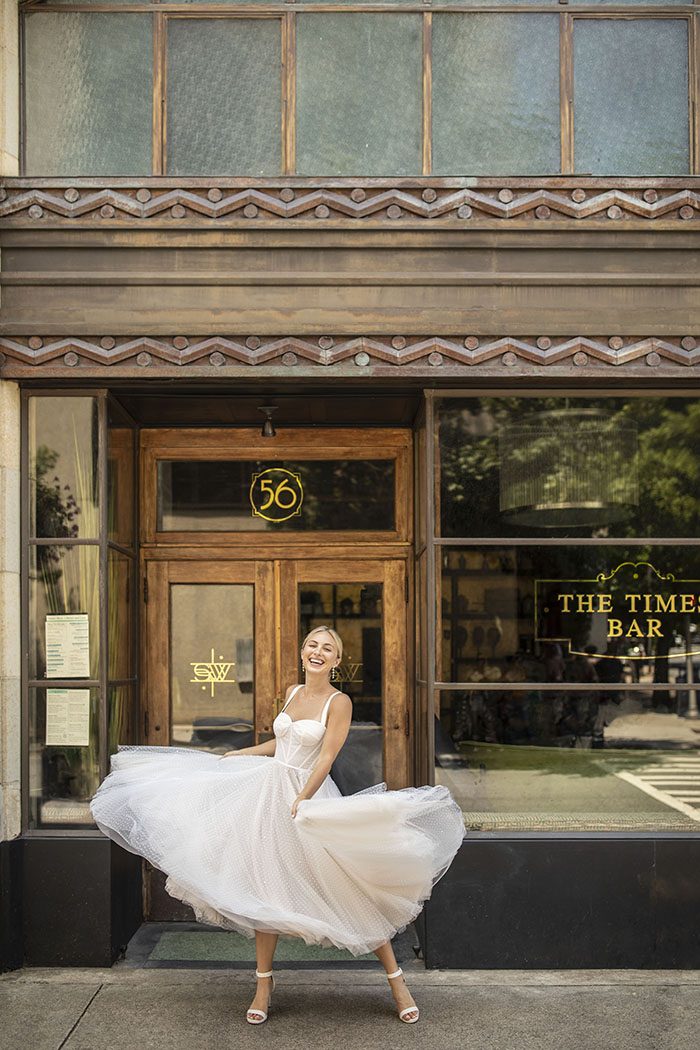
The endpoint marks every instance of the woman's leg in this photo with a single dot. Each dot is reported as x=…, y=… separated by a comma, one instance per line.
x=265, y=944
x=402, y=996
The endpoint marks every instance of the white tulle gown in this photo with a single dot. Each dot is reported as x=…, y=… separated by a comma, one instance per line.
x=349, y=870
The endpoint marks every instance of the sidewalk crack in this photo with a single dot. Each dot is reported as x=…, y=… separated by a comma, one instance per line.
x=79, y=1019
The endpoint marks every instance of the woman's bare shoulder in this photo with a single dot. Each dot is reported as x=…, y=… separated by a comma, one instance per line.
x=341, y=702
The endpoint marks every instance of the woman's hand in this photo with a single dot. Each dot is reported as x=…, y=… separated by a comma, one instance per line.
x=295, y=803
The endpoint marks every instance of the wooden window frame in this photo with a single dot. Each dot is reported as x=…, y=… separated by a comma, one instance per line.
x=162, y=12
x=294, y=443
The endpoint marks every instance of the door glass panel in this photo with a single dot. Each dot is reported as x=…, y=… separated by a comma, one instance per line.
x=260, y=496
x=354, y=610
x=211, y=665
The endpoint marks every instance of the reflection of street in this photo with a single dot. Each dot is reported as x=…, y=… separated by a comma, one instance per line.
x=671, y=779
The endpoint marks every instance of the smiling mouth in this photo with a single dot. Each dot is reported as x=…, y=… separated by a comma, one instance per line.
x=318, y=663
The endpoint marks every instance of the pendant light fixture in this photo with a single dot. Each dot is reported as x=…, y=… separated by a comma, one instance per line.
x=268, y=427
x=568, y=468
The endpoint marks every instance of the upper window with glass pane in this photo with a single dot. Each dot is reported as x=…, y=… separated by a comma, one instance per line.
x=569, y=467
x=631, y=96
x=342, y=92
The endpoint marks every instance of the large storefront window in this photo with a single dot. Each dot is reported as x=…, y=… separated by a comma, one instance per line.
x=80, y=572
x=567, y=610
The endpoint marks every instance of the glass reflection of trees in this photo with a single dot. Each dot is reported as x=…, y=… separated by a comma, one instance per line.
x=668, y=470
x=668, y=465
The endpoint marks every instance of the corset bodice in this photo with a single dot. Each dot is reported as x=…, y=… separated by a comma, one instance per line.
x=298, y=743
x=299, y=740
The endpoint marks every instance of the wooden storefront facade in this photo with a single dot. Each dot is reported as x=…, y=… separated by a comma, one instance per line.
x=349, y=304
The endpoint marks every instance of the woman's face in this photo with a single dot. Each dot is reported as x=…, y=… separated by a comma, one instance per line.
x=319, y=654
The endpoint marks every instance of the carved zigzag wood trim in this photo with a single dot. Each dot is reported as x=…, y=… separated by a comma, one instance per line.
x=363, y=351
x=298, y=202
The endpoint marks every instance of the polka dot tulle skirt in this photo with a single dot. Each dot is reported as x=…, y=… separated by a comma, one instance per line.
x=349, y=871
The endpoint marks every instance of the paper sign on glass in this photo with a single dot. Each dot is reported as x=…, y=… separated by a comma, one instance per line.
x=67, y=646
x=68, y=717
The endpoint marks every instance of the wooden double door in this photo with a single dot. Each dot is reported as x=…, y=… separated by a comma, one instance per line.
x=222, y=645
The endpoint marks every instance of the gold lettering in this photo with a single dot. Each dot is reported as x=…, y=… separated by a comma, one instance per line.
x=566, y=598
x=667, y=604
x=614, y=628
x=687, y=603
x=632, y=600
x=654, y=629
x=634, y=629
x=605, y=603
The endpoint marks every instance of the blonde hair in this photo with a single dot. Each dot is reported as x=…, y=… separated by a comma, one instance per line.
x=334, y=635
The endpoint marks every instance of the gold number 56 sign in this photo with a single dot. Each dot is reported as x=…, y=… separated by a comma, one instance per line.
x=276, y=494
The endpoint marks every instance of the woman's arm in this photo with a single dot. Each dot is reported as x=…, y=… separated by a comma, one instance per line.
x=268, y=748
x=337, y=729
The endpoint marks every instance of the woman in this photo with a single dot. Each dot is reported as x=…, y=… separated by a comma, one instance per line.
x=261, y=840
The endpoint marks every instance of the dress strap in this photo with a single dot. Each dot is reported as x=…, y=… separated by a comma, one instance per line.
x=324, y=713
x=291, y=695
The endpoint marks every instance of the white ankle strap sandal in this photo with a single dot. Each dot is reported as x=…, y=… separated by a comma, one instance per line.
x=258, y=1016
x=403, y=1014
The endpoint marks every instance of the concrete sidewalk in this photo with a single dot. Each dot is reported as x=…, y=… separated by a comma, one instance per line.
x=195, y=1009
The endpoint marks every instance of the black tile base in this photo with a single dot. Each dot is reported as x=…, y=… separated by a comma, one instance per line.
x=507, y=902
x=82, y=901
x=567, y=903
x=10, y=905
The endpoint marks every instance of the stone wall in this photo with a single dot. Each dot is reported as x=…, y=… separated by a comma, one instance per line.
x=9, y=88
x=10, y=667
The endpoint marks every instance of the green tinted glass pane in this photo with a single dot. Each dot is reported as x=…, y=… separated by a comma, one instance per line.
x=120, y=611
x=122, y=717
x=63, y=582
x=63, y=476
x=629, y=3
x=120, y=479
x=495, y=94
x=527, y=761
x=224, y=96
x=88, y=94
x=631, y=97
x=63, y=760
x=359, y=96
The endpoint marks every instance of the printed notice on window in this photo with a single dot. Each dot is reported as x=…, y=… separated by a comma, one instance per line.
x=67, y=646
x=68, y=717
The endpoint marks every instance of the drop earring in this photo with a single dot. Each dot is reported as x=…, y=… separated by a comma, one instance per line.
x=335, y=674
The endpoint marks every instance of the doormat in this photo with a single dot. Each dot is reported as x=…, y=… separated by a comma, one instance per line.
x=182, y=945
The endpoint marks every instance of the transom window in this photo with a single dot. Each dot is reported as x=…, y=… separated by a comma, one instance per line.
x=398, y=92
